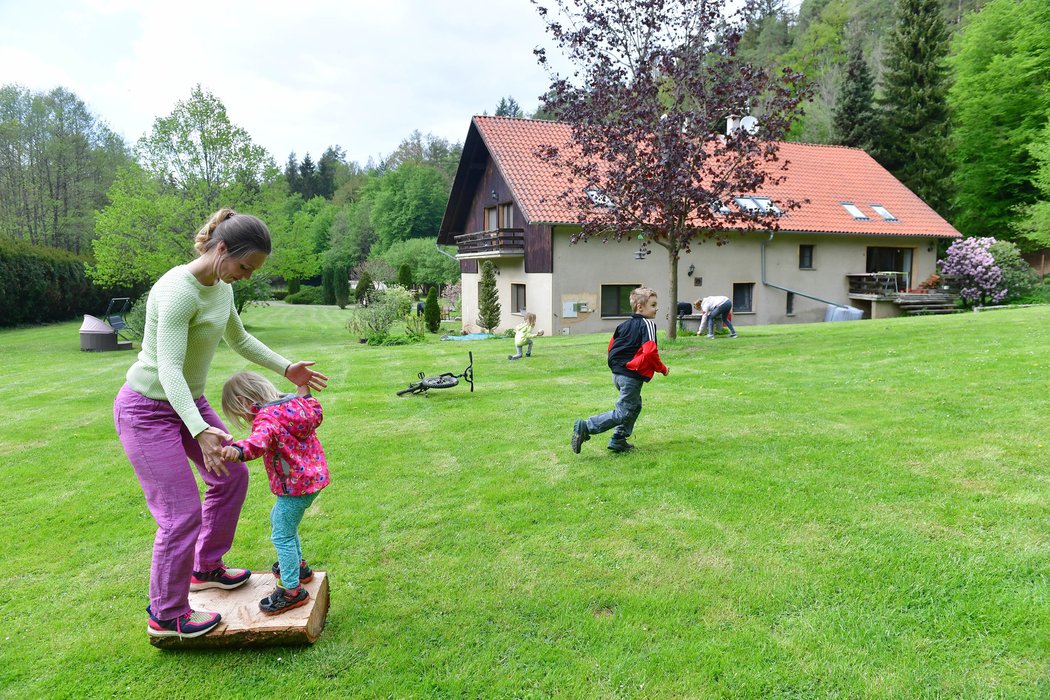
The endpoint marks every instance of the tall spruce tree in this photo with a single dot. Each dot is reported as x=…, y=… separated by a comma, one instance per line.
x=488, y=303
x=913, y=109
x=432, y=312
x=854, y=118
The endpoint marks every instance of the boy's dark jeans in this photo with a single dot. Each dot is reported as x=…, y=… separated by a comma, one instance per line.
x=622, y=418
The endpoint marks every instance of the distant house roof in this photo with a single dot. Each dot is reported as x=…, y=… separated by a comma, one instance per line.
x=839, y=183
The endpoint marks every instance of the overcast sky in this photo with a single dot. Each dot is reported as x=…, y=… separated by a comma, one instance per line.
x=297, y=75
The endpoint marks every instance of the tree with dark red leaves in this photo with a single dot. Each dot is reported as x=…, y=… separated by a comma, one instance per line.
x=654, y=84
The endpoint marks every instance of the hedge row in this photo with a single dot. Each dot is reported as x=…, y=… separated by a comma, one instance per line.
x=40, y=285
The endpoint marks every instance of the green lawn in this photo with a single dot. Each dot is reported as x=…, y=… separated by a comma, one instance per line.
x=829, y=510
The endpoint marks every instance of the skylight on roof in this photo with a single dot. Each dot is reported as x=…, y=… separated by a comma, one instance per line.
x=754, y=204
x=854, y=211
x=599, y=198
x=883, y=212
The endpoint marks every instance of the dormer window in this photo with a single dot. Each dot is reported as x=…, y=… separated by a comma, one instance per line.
x=599, y=198
x=883, y=212
x=752, y=204
x=854, y=211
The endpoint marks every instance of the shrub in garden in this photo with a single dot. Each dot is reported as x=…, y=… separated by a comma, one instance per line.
x=980, y=279
x=432, y=312
x=404, y=276
x=373, y=322
x=1018, y=276
x=306, y=295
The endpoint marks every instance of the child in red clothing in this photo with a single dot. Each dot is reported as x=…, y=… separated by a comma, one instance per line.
x=284, y=435
x=633, y=359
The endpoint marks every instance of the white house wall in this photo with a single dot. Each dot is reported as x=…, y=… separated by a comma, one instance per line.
x=569, y=300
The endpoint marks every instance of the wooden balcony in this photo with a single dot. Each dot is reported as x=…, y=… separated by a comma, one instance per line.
x=497, y=243
x=877, y=286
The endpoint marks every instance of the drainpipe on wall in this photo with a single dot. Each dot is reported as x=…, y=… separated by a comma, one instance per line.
x=786, y=289
x=443, y=252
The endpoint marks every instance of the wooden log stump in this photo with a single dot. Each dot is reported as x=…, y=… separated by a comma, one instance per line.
x=244, y=625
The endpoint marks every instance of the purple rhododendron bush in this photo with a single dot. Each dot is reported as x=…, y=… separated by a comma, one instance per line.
x=989, y=271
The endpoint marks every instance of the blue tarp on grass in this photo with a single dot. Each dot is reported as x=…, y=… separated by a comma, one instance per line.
x=468, y=336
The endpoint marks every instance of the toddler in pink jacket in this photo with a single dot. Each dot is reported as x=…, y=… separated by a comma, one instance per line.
x=284, y=435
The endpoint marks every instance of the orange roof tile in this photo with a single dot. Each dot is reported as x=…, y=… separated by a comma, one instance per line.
x=825, y=175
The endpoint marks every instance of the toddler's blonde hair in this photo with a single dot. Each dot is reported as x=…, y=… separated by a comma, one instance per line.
x=640, y=296
x=250, y=385
x=530, y=318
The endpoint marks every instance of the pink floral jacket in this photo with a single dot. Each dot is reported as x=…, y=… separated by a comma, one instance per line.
x=283, y=433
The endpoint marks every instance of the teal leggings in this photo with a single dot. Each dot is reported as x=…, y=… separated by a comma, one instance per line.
x=285, y=517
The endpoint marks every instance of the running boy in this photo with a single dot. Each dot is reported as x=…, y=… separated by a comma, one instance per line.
x=633, y=358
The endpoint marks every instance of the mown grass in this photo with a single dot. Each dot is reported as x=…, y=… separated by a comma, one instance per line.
x=828, y=510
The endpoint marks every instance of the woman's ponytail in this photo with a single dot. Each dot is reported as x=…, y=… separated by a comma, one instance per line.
x=203, y=242
x=242, y=234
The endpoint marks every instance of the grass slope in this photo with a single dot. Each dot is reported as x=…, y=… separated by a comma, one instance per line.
x=828, y=510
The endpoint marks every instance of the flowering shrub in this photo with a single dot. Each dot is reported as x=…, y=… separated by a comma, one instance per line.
x=981, y=279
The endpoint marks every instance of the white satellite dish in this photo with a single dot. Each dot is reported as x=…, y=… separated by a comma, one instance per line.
x=749, y=124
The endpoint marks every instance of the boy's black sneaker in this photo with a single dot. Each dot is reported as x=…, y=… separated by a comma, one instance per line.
x=306, y=574
x=224, y=577
x=620, y=446
x=191, y=624
x=579, y=434
x=283, y=599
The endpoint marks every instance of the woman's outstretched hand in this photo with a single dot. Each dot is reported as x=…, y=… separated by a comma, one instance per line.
x=300, y=374
x=211, y=445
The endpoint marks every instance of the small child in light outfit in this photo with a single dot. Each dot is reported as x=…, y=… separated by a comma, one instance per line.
x=523, y=336
x=284, y=435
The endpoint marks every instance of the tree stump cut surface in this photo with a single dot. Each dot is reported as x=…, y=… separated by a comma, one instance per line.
x=244, y=625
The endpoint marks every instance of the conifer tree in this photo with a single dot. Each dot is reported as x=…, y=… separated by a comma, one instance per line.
x=342, y=287
x=328, y=285
x=404, y=275
x=913, y=109
x=855, y=109
x=488, y=303
x=364, y=289
x=432, y=312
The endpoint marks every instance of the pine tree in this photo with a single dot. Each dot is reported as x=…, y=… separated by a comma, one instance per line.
x=913, y=109
x=291, y=173
x=488, y=303
x=432, y=312
x=855, y=108
x=307, y=178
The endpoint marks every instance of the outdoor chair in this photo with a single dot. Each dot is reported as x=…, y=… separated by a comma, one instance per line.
x=115, y=312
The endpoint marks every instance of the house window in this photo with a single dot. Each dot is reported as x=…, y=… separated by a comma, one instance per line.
x=506, y=216
x=616, y=299
x=790, y=310
x=517, y=298
x=753, y=204
x=805, y=257
x=742, y=296
x=491, y=220
x=883, y=212
x=599, y=198
x=854, y=211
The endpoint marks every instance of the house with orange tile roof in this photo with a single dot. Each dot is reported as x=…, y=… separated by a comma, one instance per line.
x=860, y=239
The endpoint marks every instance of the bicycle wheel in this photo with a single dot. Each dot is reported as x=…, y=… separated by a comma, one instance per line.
x=443, y=381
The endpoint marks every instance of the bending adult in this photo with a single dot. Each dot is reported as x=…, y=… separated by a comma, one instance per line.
x=714, y=308
x=164, y=421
